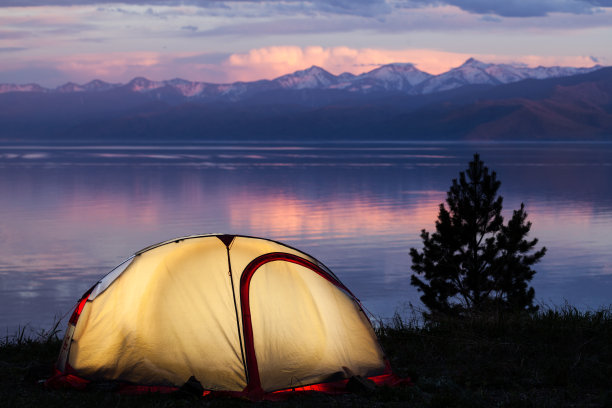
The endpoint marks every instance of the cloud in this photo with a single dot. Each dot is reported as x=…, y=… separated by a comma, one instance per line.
x=12, y=35
x=444, y=18
x=271, y=62
x=12, y=49
x=260, y=63
x=117, y=67
x=51, y=21
x=490, y=19
x=364, y=8
x=283, y=26
x=400, y=21
x=207, y=58
x=84, y=67
x=108, y=64
x=518, y=8
x=355, y=7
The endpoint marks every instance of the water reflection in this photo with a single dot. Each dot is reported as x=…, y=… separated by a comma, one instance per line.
x=70, y=214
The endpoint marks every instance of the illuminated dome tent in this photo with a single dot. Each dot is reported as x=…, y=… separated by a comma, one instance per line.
x=241, y=315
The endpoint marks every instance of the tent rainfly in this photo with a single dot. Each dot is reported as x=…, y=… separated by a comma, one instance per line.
x=235, y=315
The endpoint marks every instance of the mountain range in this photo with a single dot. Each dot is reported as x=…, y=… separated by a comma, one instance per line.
x=392, y=77
x=396, y=101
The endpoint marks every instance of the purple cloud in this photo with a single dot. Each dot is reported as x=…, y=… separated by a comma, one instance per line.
x=517, y=8
x=11, y=49
x=363, y=8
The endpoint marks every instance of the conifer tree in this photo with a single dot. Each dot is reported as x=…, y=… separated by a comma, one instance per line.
x=473, y=263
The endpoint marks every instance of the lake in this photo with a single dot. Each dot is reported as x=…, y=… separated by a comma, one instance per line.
x=69, y=214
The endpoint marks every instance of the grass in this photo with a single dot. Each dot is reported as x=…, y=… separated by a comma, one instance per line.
x=559, y=357
x=556, y=358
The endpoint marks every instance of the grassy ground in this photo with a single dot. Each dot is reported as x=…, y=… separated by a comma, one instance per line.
x=557, y=358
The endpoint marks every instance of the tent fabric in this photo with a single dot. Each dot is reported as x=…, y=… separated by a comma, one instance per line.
x=240, y=314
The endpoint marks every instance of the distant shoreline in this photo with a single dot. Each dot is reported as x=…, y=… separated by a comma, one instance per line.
x=45, y=144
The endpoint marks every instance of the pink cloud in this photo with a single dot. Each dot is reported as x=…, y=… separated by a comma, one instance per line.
x=271, y=62
x=111, y=67
x=108, y=64
x=262, y=63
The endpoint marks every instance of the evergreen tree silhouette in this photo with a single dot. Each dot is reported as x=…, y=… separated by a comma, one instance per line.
x=473, y=262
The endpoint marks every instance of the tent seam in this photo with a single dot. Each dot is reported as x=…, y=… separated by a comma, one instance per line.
x=229, y=265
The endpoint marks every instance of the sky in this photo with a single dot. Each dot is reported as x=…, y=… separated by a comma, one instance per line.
x=51, y=42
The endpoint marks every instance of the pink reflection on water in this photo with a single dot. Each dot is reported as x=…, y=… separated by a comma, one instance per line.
x=330, y=217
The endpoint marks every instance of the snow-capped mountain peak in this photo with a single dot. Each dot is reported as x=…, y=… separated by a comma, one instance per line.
x=97, y=85
x=178, y=81
x=186, y=88
x=471, y=72
x=474, y=63
x=474, y=72
x=346, y=76
x=396, y=77
x=143, y=84
x=5, y=88
x=313, y=70
x=69, y=87
x=311, y=78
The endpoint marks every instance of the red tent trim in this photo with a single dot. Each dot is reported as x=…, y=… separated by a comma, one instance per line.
x=254, y=382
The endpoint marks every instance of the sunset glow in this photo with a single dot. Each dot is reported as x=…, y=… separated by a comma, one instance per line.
x=227, y=41
x=346, y=217
x=271, y=62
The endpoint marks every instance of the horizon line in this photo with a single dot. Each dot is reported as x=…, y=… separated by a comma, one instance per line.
x=512, y=64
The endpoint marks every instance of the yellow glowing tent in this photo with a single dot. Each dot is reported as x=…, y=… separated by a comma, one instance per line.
x=239, y=314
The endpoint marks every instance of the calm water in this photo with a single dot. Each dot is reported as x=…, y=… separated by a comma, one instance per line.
x=68, y=215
